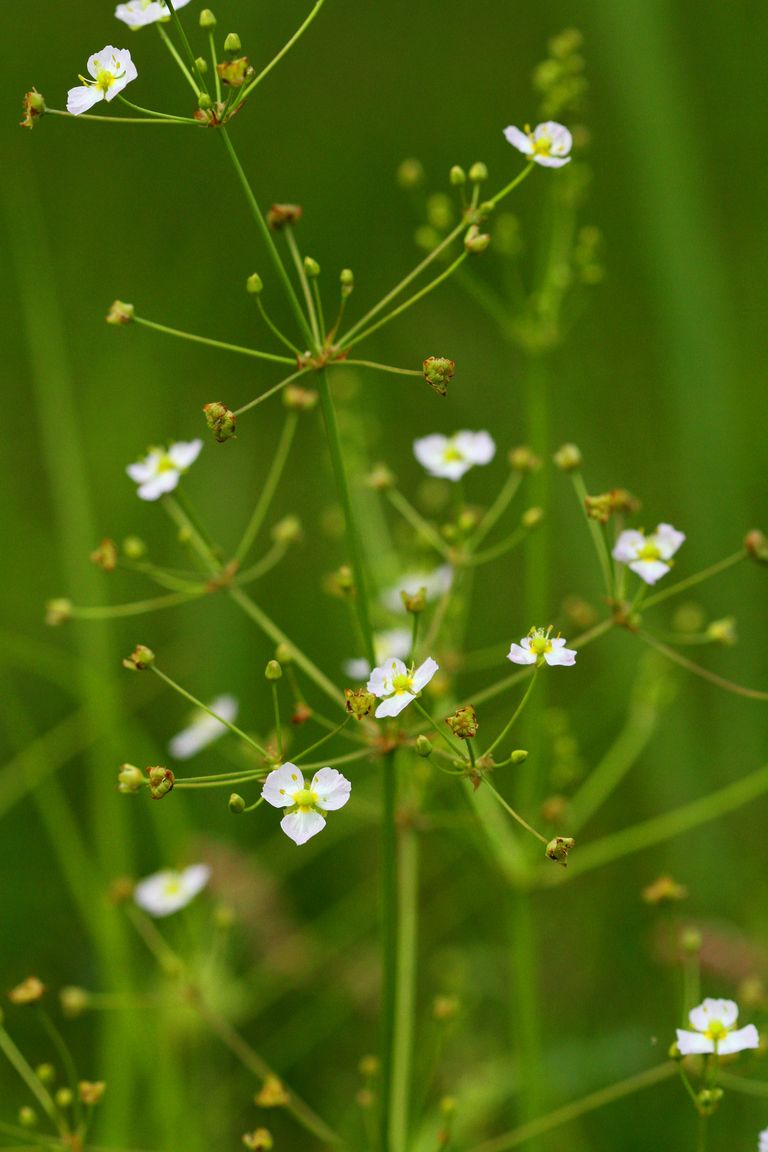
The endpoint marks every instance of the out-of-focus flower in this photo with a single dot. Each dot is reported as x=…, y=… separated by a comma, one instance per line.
x=204, y=729
x=286, y=788
x=161, y=469
x=137, y=13
x=111, y=69
x=449, y=457
x=547, y=144
x=763, y=1138
x=396, y=686
x=539, y=647
x=393, y=644
x=166, y=892
x=648, y=556
x=715, y=1031
x=436, y=583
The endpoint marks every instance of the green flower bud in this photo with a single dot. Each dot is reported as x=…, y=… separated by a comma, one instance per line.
x=64, y=1098
x=134, y=547
x=423, y=746
x=518, y=756
x=284, y=653
x=410, y=174
x=273, y=671
x=207, y=19
x=201, y=64
x=130, y=779
x=120, y=313
x=236, y=804
x=723, y=631
x=438, y=371
x=457, y=176
x=204, y=101
x=27, y=1117
x=568, y=458
x=232, y=43
x=691, y=940
x=74, y=1001
x=161, y=781
x=380, y=478
x=532, y=517
x=140, y=659
x=287, y=530
x=221, y=421
x=254, y=283
x=300, y=399
x=46, y=1073
x=558, y=849
x=522, y=459
x=415, y=602
x=311, y=267
x=475, y=240
x=440, y=211
x=478, y=172
x=347, y=281
x=57, y=611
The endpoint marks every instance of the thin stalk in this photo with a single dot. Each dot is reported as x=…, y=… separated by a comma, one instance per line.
x=196, y=538
x=187, y=47
x=389, y=942
x=697, y=578
x=379, y=367
x=211, y=343
x=117, y=119
x=209, y=712
x=319, y=309
x=153, y=114
x=67, y=1063
x=515, y=815
x=596, y=532
x=501, y=548
x=278, y=725
x=33, y=1083
x=497, y=509
x=286, y=48
x=322, y=740
x=404, y=1022
x=417, y=522
x=270, y=392
x=182, y=66
x=512, y=184
x=293, y=248
x=269, y=561
x=274, y=328
x=136, y=607
x=712, y=677
x=269, y=488
x=214, y=62
x=443, y=735
x=515, y=714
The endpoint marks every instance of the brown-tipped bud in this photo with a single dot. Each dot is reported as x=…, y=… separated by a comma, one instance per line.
x=301, y=713
x=522, y=459
x=273, y=671
x=272, y=1094
x=161, y=781
x=463, y=723
x=624, y=502
x=91, y=1091
x=475, y=240
x=299, y=399
x=30, y=991
x=234, y=73
x=568, y=458
x=236, y=804
x=134, y=547
x=519, y=756
x=457, y=176
x=33, y=107
x=207, y=19
x=120, y=313
x=63, y=1098
x=74, y=1001
x=665, y=890
x=140, y=659
x=130, y=778
x=478, y=172
x=359, y=702
x=423, y=746
x=347, y=281
x=445, y=1008
x=369, y=1067
x=723, y=631
x=221, y=421
x=756, y=545
x=287, y=531
x=532, y=517
x=708, y=1100
x=254, y=284
x=410, y=173
x=414, y=602
x=380, y=478
x=57, y=611
x=27, y=1116
x=281, y=214
x=438, y=371
x=232, y=42
x=558, y=849
x=260, y=1140
x=311, y=268
x=105, y=556
x=344, y=581
x=598, y=508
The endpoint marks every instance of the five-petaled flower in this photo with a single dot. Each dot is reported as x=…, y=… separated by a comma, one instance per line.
x=451, y=456
x=715, y=1021
x=541, y=647
x=166, y=892
x=203, y=729
x=648, y=556
x=396, y=686
x=161, y=469
x=111, y=69
x=307, y=805
x=137, y=13
x=548, y=144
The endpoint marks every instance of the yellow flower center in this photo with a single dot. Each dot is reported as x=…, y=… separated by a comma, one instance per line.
x=402, y=683
x=305, y=798
x=716, y=1030
x=543, y=145
x=172, y=886
x=105, y=79
x=450, y=453
x=165, y=464
x=649, y=551
x=540, y=642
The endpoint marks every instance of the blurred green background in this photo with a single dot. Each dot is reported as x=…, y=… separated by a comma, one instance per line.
x=662, y=384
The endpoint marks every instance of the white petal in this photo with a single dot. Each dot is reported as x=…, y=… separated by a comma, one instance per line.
x=356, y=669
x=520, y=655
x=379, y=682
x=738, y=1041
x=649, y=570
x=551, y=161
x=82, y=98
x=185, y=452
x=726, y=1012
x=394, y=705
x=518, y=140
x=392, y=645
x=332, y=789
x=693, y=1043
x=424, y=673
x=560, y=138
x=763, y=1138
x=194, y=879
x=429, y=449
x=281, y=785
x=300, y=826
x=628, y=545
x=667, y=539
x=166, y=892
x=563, y=656
x=204, y=729
x=144, y=469
x=477, y=447
x=158, y=485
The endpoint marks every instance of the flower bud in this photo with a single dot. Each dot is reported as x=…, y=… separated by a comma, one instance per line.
x=478, y=172
x=30, y=991
x=287, y=530
x=369, y=1067
x=160, y=781
x=232, y=43
x=201, y=64
x=27, y=1116
x=281, y=214
x=57, y=611
x=204, y=101
x=691, y=940
x=301, y=713
x=598, y=507
x=46, y=1073
x=457, y=176
x=414, y=602
x=233, y=73
x=441, y=212
x=273, y=671
x=105, y=556
x=359, y=702
x=33, y=106
x=207, y=19
x=236, y=804
x=381, y=479
x=140, y=659
x=63, y=1098
x=221, y=421
x=344, y=580
x=522, y=459
x=311, y=267
x=708, y=1099
x=665, y=890
x=519, y=756
x=445, y=1008
x=91, y=1091
x=130, y=778
x=438, y=371
x=120, y=312
x=756, y=545
x=723, y=631
x=299, y=399
x=475, y=240
x=260, y=1140
x=568, y=458
x=134, y=547
x=532, y=517
x=410, y=174
x=463, y=723
x=254, y=283
x=347, y=281
x=423, y=746
x=74, y=1001
x=272, y=1094
x=558, y=849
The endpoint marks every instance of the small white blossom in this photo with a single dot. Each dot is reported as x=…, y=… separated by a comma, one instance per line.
x=396, y=686
x=715, y=1021
x=166, y=892
x=137, y=13
x=436, y=582
x=111, y=69
x=160, y=470
x=386, y=645
x=539, y=646
x=449, y=457
x=648, y=556
x=285, y=788
x=763, y=1138
x=204, y=729
x=548, y=144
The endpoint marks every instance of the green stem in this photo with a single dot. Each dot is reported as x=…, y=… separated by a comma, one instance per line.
x=298, y=264
x=389, y=941
x=286, y=48
x=512, y=184
x=515, y=815
x=136, y=608
x=156, y=115
x=271, y=391
x=379, y=367
x=322, y=333
x=497, y=509
x=210, y=343
x=38, y=1090
x=443, y=735
x=697, y=578
x=501, y=548
x=417, y=522
x=269, y=561
x=267, y=493
x=186, y=45
x=596, y=532
x=274, y=328
x=67, y=1063
x=278, y=725
x=172, y=49
x=214, y=62
x=322, y=740
x=118, y=119
x=196, y=538
x=712, y=677
x=515, y=714
x=209, y=712
x=407, y=929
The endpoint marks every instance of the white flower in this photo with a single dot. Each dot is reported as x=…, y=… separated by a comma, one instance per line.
x=763, y=1138
x=539, y=646
x=648, y=556
x=451, y=456
x=111, y=69
x=397, y=685
x=137, y=13
x=160, y=470
x=714, y=1021
x=436, y=583
x=386, y=645
x=285, y=788
x=548, y=144
x=204, y=729
x=168, y=891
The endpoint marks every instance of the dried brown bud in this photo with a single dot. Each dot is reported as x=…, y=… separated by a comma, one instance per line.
x=161, y=781
x=140, y=659
x=91, y=1091
x=260, y=1140
x=463, y=723
x=281, y=214
x=221, y=421
x=120, y=313
x=105, y=556
x=359, y=702
x=33, y=107
x=234, y=73
x=599, y=507
x=756, y=545
x=272, y=1094
x=30, y=991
